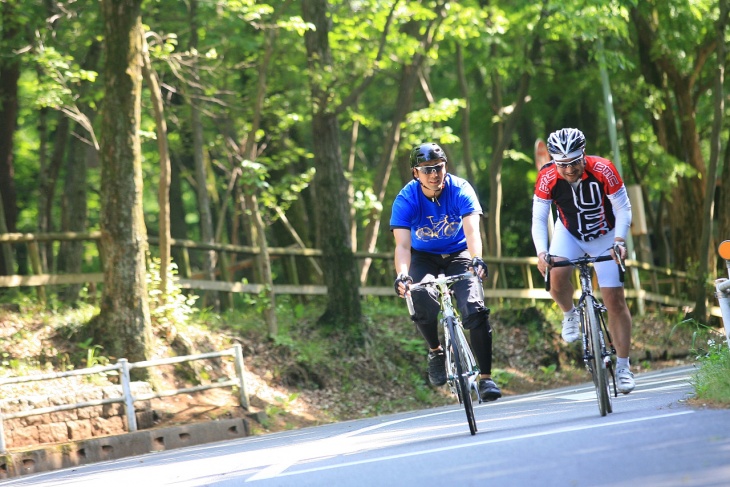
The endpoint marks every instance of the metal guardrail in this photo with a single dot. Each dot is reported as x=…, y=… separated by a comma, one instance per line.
x=128, y=399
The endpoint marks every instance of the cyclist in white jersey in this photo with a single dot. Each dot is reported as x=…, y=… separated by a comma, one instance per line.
x=594, y=212
x=435, y=222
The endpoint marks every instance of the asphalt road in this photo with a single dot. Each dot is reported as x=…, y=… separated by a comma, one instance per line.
x=552, y=438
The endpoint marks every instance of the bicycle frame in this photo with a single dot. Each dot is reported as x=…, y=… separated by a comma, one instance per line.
x=462, y=370
x=596, y=340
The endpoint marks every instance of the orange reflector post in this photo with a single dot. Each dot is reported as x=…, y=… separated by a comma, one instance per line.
x=724, y=250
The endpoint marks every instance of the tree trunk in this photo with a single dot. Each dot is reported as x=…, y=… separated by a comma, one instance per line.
x=652, y=217
x=178, y=226
x=351, y=187
x=5, y=249
x=74, y=210
x=330, y=185
x=74, y=213
x=701, y=292
x=409, y=78
x=123, y=325
x=250, y=152
x=661, y=72
x=689, y=195
x=467, y=161
x=504, y=130
x=9, y=76
x=264, y=265
x=211, y=298
x=48, y=180
x=163, y=193
x=723, y=216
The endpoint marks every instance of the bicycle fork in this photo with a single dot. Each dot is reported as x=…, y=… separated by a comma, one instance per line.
x=606, y=346
x=453, y=340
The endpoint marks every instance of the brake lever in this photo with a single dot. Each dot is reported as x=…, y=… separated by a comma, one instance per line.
x=621, y=266
x=548, y=261
x=617, y=253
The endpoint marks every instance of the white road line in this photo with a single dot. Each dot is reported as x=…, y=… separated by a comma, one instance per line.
x=585, y=393
x=277, y=470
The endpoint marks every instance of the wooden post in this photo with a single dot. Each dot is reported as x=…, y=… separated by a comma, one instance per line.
x=35, y=264
x=225, y=276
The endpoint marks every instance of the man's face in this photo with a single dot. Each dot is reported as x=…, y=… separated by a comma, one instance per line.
x=431, y=173
x=571, y=169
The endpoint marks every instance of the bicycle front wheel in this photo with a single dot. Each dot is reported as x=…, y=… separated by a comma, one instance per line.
x=600, y=374
x=459, y=358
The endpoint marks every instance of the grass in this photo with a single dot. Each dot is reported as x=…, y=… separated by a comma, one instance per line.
x=712, y=379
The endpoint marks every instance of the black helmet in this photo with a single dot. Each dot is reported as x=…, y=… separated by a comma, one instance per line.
x=566, y=143
x=426, y=152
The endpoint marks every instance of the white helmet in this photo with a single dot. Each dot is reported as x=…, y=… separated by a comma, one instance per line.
x=566, y=144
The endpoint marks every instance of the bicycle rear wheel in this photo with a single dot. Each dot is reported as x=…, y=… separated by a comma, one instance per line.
x=600, y=374
x=459, y=357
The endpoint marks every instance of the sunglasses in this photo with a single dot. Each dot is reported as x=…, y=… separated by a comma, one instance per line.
x=431, y=169
x=567, y=164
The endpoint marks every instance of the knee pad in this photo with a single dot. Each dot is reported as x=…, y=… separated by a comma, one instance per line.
x=426, y=307
x=477, y=320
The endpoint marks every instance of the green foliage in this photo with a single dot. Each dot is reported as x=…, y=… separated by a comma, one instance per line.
x=427, y=123
x=700, y=331
x=62, y=75
x=172, y=308
x=502, y=377
x=282, y=406
x=548, y=371
x=712, y=380
x=93, y=358
x=19, y=367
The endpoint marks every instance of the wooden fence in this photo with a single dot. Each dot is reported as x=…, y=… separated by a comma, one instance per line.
x=517, y=277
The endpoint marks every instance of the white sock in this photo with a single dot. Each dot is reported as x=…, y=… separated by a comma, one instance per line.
x=570, y=313
x=622, y=363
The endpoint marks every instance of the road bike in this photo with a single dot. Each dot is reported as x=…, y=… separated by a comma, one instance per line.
x=598, y=347
x=462, y=371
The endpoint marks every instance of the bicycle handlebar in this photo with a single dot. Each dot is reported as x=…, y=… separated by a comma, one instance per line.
x=436, y=281
x=579, y=262
x=586, y=259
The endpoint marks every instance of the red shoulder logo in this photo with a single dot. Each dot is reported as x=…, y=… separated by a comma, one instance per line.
x=605, y=171
x=545, y=181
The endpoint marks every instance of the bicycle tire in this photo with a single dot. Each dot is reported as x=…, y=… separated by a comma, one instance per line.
x=469, y=362
x=610, y=375
x=600, y=374
x=458, y=356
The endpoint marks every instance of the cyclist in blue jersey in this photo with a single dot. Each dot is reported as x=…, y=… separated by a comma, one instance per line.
x=435, y=222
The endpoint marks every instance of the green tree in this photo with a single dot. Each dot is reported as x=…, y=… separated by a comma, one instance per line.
x=123, y=325
x=330, y=185
x=676, y=68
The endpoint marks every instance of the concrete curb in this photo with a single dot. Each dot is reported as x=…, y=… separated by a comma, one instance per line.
x=71, y=454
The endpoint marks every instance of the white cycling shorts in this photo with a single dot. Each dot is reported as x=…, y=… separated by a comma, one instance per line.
x=564, y=244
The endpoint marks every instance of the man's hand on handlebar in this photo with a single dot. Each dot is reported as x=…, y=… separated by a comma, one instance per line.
x=544, y=261
x=479, y=267
x=401, y=284
x=619, y=252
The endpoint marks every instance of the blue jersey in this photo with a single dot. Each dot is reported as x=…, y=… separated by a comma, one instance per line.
x=436, y=227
